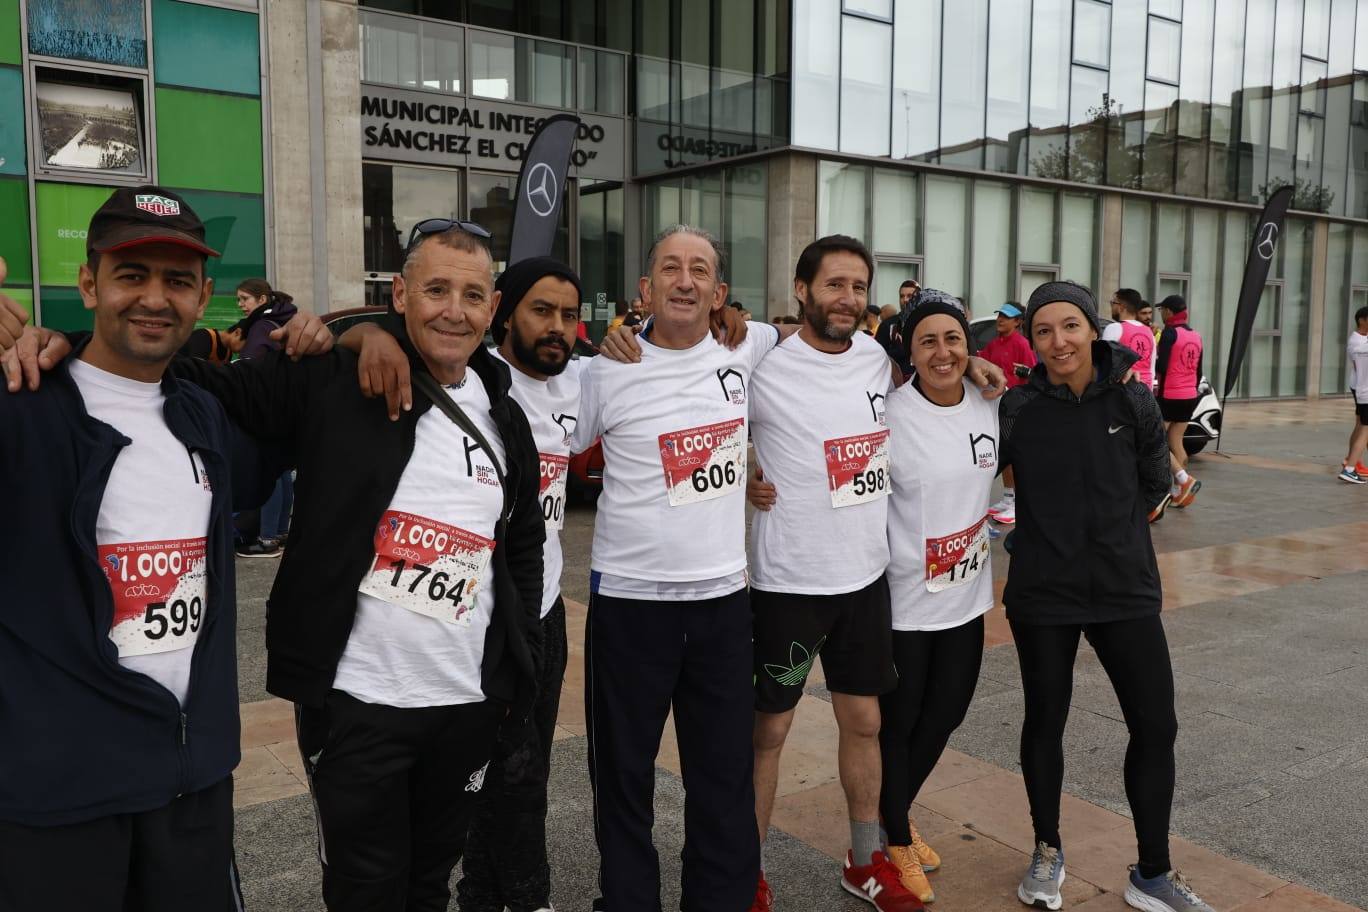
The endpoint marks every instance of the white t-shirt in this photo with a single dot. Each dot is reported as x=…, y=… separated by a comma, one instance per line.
x=1357, y=356
x=152, y=533
x=552, y=408
x=418, y=638
x=944, y=461
x=817, y=420
x=674, y=445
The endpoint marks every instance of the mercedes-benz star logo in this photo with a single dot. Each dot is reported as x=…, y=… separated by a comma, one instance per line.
x=541, y=189
x=1268, y=239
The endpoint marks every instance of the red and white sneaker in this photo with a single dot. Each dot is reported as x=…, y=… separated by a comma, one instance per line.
x=879, y=884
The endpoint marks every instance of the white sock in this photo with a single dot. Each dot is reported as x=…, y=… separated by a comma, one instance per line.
x=1182, y=476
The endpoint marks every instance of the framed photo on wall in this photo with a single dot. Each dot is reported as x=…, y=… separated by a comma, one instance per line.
x=84, y=127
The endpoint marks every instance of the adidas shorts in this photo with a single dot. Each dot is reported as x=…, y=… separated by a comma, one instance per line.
x=853, y=633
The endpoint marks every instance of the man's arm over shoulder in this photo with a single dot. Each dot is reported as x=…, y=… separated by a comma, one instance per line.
x=267, y=397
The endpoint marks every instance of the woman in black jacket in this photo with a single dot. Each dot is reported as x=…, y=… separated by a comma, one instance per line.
x=1091, y=467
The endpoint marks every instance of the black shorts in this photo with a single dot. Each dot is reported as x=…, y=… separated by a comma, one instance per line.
x=1178, y=409
x=1361, y=410
x=852, y=632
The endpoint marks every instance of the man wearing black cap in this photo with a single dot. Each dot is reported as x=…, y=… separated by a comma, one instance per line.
x=117, y=665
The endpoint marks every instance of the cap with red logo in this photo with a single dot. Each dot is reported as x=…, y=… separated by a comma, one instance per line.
x=145, y=215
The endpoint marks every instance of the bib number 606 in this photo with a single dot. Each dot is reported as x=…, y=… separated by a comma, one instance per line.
x=713, y=477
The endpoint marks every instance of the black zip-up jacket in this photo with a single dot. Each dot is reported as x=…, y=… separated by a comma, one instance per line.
x=1088, y=472
x=350, y=457
x=81, y=737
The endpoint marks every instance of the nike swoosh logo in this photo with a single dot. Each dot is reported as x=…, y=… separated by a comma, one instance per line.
x=1114, y=428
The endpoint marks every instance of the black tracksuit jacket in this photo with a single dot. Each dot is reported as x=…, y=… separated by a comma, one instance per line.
x=350, y=457
x=1088, y=472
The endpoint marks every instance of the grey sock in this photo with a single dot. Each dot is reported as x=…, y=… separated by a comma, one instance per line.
x=864, y=840
x=764, y=861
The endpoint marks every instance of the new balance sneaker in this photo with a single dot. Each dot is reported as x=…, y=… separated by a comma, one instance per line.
x=1187, y=492
x=1158, y=512
x=929, y=859
x=879, y=884
x=1040, y=886
x=764, y=897
x=1351, y=475
x=1006, y=516
x=911, y=872
x=1006, y=503
x=257, y=548
x=1168, y=892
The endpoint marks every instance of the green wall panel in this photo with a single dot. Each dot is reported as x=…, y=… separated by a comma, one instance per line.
x=63, y=310
x=14, y=232
x=12, y=154
x=206, y=48
x=11, y=49
x=64, y=212
x=207, y=141
x=221, y=312
x=234, y=225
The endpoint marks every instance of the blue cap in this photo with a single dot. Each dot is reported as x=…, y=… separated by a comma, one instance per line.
x=1010, y=311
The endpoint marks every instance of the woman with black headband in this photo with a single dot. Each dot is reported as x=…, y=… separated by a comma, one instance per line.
x=944, y=458
x=1091, y=467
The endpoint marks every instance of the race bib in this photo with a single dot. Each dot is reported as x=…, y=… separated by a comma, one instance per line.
x=704, y=462
x=554, y=470
x=954, y=560
x=857, y=468
x=160, y=590
x=427, y=566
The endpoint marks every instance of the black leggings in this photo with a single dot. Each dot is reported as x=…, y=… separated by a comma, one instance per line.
x=937, y=673
x=1136, y=658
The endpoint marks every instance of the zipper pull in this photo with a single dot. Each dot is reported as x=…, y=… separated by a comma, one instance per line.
x=184, y=722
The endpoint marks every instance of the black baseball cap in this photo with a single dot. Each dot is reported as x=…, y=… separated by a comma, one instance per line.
x=145, y=215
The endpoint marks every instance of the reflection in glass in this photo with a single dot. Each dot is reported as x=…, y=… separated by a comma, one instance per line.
x=103, y=31
x=1164, y=40
x=945, y=234
x=816, y=71
x=1161, y=121
x=1173, y=9
x=866, y=64
x=492, y=69
x=992, y=242
x=546, y=73
x=897, y=217
x=1090, y=113
x=1009, y=76
x=1035, y=226
x=881, y=8
x=1135, y=246
x=601, y=81
x=1316, y=28
x=389, y=49
x=443, y=47
x=841, y=199
x=1092, y=32
x=916, y=78
x=394, y=199
x=965, y=41
x=1050, y=23
x=1078, y=239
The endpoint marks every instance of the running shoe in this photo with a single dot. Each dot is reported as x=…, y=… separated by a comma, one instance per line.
x=1158, y=512
x=911, y=873
x=1351, y=475
x=879, y=884
x=1040, y=886
x=1006, y=516
x=1187, y=492
x=1168, y=892
x=1361, y=469
x=257, y=549
x=1006, y=503
x=929, y=859
x=764, y=897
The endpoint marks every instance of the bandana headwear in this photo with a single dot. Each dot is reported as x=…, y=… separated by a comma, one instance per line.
x=1071, y=292
x=517, y=280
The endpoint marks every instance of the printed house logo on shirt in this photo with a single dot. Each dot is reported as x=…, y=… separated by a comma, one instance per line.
x=984, y=449
x=157, y=205
x=567, y=425
x=733, y=387
x=876, y=406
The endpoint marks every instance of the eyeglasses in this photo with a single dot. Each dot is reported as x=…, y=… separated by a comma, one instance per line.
x=439, y=225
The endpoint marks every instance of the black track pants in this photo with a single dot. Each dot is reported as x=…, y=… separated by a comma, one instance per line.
x=505, y=863
x=171, y=859
x=642, y=659
x=937, y=673
x=395, y=791
x=1136, y=658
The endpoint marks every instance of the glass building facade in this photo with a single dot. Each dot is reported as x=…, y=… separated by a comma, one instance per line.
x=95, y=94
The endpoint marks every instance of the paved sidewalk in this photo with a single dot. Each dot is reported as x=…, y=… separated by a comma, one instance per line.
x=1266, y=588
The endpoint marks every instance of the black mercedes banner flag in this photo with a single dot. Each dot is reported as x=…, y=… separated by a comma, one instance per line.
x=1261, y=251
x=541, y=183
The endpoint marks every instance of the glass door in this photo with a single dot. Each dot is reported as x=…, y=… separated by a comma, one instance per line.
x=1032, y=276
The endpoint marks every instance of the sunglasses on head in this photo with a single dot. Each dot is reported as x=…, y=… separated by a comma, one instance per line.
x=439, y=225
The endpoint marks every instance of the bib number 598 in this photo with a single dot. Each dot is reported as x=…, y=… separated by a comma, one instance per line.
x=872, y=481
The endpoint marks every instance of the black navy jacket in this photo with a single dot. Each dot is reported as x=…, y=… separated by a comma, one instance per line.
x=1088, y=470
x=350, y=457
x=81, y=737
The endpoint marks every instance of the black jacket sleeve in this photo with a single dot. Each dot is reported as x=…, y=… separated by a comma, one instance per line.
x=1151, y=445
x=526, y=532
x=1012, y=403
x=1166, y=340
